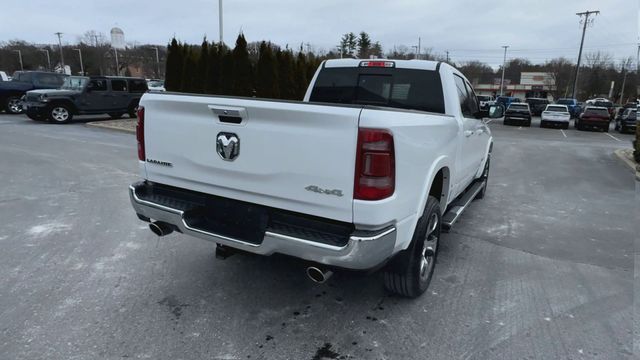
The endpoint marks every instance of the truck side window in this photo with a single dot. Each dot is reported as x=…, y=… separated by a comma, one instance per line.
x=49, y=79
x=473, y=100
x=463, y=96
x=118, y=85
x=98, y=85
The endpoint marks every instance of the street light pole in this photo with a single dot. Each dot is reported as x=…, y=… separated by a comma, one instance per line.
x=117, y=65
x=81, y=65
x=504, y=62
x=157, y=62
x=60, y=46
x=220, y=20
x=20, y=58
x=48, y=58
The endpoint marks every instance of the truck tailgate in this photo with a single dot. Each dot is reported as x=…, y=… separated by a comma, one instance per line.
x=291, y=155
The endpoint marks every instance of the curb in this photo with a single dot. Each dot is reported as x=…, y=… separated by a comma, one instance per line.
x=98, y=124
x=620, y=153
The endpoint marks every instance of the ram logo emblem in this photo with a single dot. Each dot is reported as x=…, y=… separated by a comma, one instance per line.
x=228, y=146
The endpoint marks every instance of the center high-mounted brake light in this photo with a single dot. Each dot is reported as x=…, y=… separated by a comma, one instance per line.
x=140, y=133
x=384, y=64
x=375, y=177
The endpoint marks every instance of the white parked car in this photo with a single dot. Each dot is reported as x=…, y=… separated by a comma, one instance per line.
x=555, y=115
x=155, y=85
x=362, y=174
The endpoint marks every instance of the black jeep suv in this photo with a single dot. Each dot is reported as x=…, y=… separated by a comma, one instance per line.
x=81, y=95
x=23, y=81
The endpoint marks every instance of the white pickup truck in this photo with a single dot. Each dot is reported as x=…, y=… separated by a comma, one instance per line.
x=362, y=174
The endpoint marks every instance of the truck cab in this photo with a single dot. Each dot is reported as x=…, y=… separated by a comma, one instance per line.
x=12, y=91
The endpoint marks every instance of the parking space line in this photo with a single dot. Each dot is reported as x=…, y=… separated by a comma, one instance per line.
x=613, y=137
x=562, y=131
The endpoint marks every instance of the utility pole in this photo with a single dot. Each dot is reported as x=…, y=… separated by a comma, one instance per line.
x=340, y=49
x=447, y=56
x=419, y=46
x=81, y=65
x=586, y=15
x=157, y=63
x=220, y=20
x=504, y=62
x=60, y=46
x=624, y=80
x=20, y=58
x=415, y=56
x=48, y=58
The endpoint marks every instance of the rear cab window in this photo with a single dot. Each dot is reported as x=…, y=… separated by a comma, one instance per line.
x=556, y=108
x=596, y=112
x=410, y=89
x=518, y=107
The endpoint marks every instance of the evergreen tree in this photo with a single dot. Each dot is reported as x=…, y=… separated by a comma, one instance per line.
x=226, y=71
x=173, y=69
x=286, y=69
x=300, y=76
x=267, y=73
x=241, y=81
x=200, y=82
x=364, y=45
x=351, y=44
x=213, y=72
x=189, y=69
x=376, y=49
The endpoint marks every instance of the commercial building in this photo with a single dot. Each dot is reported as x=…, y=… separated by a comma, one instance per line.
x=532, y=84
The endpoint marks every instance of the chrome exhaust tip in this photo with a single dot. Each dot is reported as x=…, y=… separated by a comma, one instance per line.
x=160, y=228
x=318, y=275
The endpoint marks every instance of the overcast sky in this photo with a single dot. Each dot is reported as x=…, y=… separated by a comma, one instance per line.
x=469, y=29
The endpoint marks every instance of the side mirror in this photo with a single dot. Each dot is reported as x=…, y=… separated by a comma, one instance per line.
x=496, y=111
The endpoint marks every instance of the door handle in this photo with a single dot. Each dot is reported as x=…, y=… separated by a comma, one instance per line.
x=468, y=133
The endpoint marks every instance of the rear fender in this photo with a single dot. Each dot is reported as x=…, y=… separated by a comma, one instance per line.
x=443, y=162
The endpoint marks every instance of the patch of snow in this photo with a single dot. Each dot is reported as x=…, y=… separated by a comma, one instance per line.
x=46, y=229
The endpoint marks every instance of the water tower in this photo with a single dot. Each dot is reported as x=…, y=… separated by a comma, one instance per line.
x=117, y=38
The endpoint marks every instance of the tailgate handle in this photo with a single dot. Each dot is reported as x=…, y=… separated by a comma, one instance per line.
x=230, y=119
x=229, y=114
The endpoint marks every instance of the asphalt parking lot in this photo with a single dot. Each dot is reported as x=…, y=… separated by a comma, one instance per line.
x=542, y=268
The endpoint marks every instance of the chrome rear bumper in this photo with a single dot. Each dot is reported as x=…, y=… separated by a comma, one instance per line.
x=364, y=249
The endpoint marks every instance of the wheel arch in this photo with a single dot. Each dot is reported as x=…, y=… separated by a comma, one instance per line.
x=72, y=107
x=438, y=184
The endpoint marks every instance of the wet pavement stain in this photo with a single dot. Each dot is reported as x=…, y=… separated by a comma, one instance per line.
x=174, y=305
x=325, y=352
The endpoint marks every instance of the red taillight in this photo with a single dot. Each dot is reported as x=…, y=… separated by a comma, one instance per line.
x=140, y=133
x=375, y=176
x=385, y=64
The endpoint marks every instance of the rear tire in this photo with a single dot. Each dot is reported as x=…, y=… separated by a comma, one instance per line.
x=410, y=273
x=606, y=128
x=542, y=124
x=115, y=115
x=566, y=126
